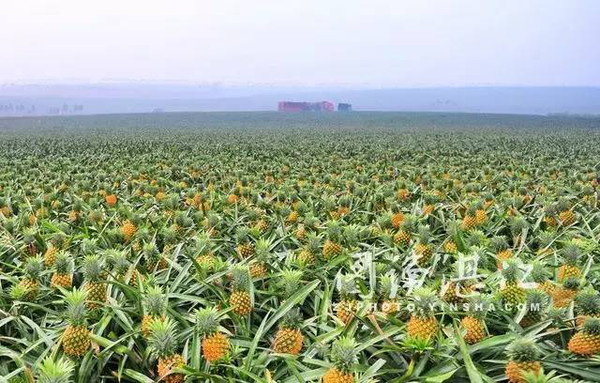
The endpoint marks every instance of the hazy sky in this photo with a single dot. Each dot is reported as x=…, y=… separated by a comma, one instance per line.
x=305, y=42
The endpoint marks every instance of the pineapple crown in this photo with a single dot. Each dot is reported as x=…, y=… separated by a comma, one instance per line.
x=588, y=302
x=385, y=222
x=388, y=286
x=346, y=285
x=410, y=223
x=545, y=238
x=523, y=350
x=290, y=281
x=550, y=210
x=33, y=268
x=539, y=274
x=241, y=278
x=155, y=301
x=425, y=234
x=425, y=301
x=313, y=243
x=479, y=305
x=262, y=248
x=58, y=371
x=344, y=354
x=76, y=311
x=63, y=263
x=163, y=338
x=150, y=250
x=571, y=254
x=207, y=321
x=591, y=326
x=59, y=239
x=512, y=271
x=563, y=204
x=517, y=225
x=499, y=243
x=291, y=320
x=571, y=283
x=92, y=268
x=334, y=231
x=242, y=234
x=537, y=300
x=29, y=235
x=351, y=235
x=477, y=238
x=88, y=246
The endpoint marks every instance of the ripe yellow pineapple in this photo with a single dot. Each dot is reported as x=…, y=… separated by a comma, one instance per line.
x=397, y=219
x=403, y=236
x=450, y=246
x=215, y=344
x=128, y=230
x=163, y=342
x=111, y=200
x=473, y=323
x=76, y=338
x=566, y=216
x=50, y=256
x=240, y=299
x=469, y=220
x=289, y=338
x=343, y=358
x=422, y=323
x=564, y=295
x=586, y=342
x=523, y=357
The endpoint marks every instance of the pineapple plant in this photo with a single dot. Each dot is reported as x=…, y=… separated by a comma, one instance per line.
x=258, y=266
x=30, y=284
x=347, y=307
x=76, y=337
x=93, y=273
x=536, y=303
x=470, y=219
x=128, y=230
x=564, y=295
x=332, y=246
x=388, y=291
x=566, y=216
x=512, y=292
x=587, y=304
x=423, y=324
x=245, y=247
x=55, y=371
x=424, y=247
x=571, y=255
x=163, y=342
x=240, y=299
x=155, y=307
x=215, y=344
x=540, y=276
x=403, y=236
x=63, y=271
x=308, y=253
x=586, y=342
x=289, y=338
x=343, y=358
x=474, y=322
x=523, y=357
x=503, y=253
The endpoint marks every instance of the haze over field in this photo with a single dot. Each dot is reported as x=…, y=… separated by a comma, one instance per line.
x=137, y=56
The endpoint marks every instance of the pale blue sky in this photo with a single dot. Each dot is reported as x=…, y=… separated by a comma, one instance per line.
x=374, y=43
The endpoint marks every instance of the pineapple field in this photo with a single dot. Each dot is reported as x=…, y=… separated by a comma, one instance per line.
x=272, y=247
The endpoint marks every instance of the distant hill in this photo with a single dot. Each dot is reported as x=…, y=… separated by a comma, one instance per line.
x=67, y=99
